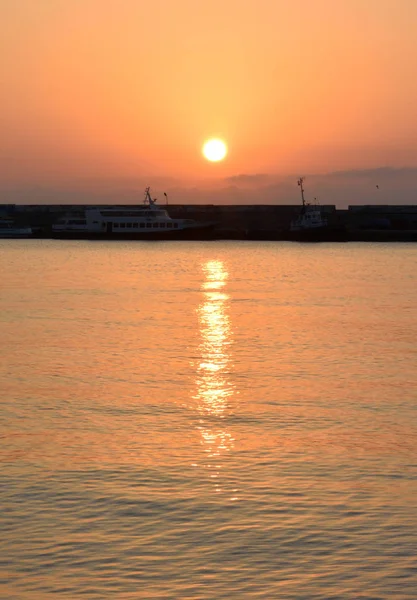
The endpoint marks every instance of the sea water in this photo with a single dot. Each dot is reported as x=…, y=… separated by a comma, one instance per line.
x=208, y=420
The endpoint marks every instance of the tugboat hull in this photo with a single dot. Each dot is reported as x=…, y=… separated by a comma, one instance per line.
x=320, y=234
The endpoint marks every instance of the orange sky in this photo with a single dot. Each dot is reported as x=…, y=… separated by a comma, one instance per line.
x=96, y=89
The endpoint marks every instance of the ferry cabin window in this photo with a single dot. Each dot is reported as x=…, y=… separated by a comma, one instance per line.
x=176, y=225
x=116, y=225
x=148, y=225
x=142, y=225
x=123, y=213
x=169, y=224
x=156, y=225
x=135, y=225
x=122, y=224
x=162, y=225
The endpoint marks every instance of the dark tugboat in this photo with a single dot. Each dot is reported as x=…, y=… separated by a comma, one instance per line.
x=312, y=226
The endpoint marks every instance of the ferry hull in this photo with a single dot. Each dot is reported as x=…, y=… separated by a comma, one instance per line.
x=15, y=235
x=203, y=232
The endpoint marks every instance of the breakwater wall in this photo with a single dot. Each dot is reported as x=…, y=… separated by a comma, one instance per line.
x=380, y=222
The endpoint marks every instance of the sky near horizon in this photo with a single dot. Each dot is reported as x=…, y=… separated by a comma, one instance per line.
x=107, y=89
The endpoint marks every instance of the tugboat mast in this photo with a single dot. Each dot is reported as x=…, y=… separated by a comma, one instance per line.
x=300, y=183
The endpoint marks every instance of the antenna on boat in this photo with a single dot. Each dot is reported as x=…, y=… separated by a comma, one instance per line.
x=148, y=197
x=166, y=197
x=300, y=183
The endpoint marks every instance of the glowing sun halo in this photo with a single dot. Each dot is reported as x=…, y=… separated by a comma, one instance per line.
x=214, y=150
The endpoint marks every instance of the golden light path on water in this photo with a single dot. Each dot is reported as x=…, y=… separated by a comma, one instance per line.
x=214, y=387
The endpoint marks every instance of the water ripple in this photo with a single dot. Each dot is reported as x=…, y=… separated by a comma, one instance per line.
x=208, y=421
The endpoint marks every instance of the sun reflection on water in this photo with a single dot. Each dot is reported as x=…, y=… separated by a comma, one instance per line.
x=214, y=387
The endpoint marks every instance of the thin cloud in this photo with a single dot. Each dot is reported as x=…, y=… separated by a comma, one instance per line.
x=383, y=185
x=246, y=179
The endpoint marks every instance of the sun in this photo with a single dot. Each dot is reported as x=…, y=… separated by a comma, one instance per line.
x=214, y=150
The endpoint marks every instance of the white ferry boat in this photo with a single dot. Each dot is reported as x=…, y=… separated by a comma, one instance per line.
x=146, y=222
x=8, y=229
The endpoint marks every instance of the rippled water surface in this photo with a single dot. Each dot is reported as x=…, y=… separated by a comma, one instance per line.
x=208, y=420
